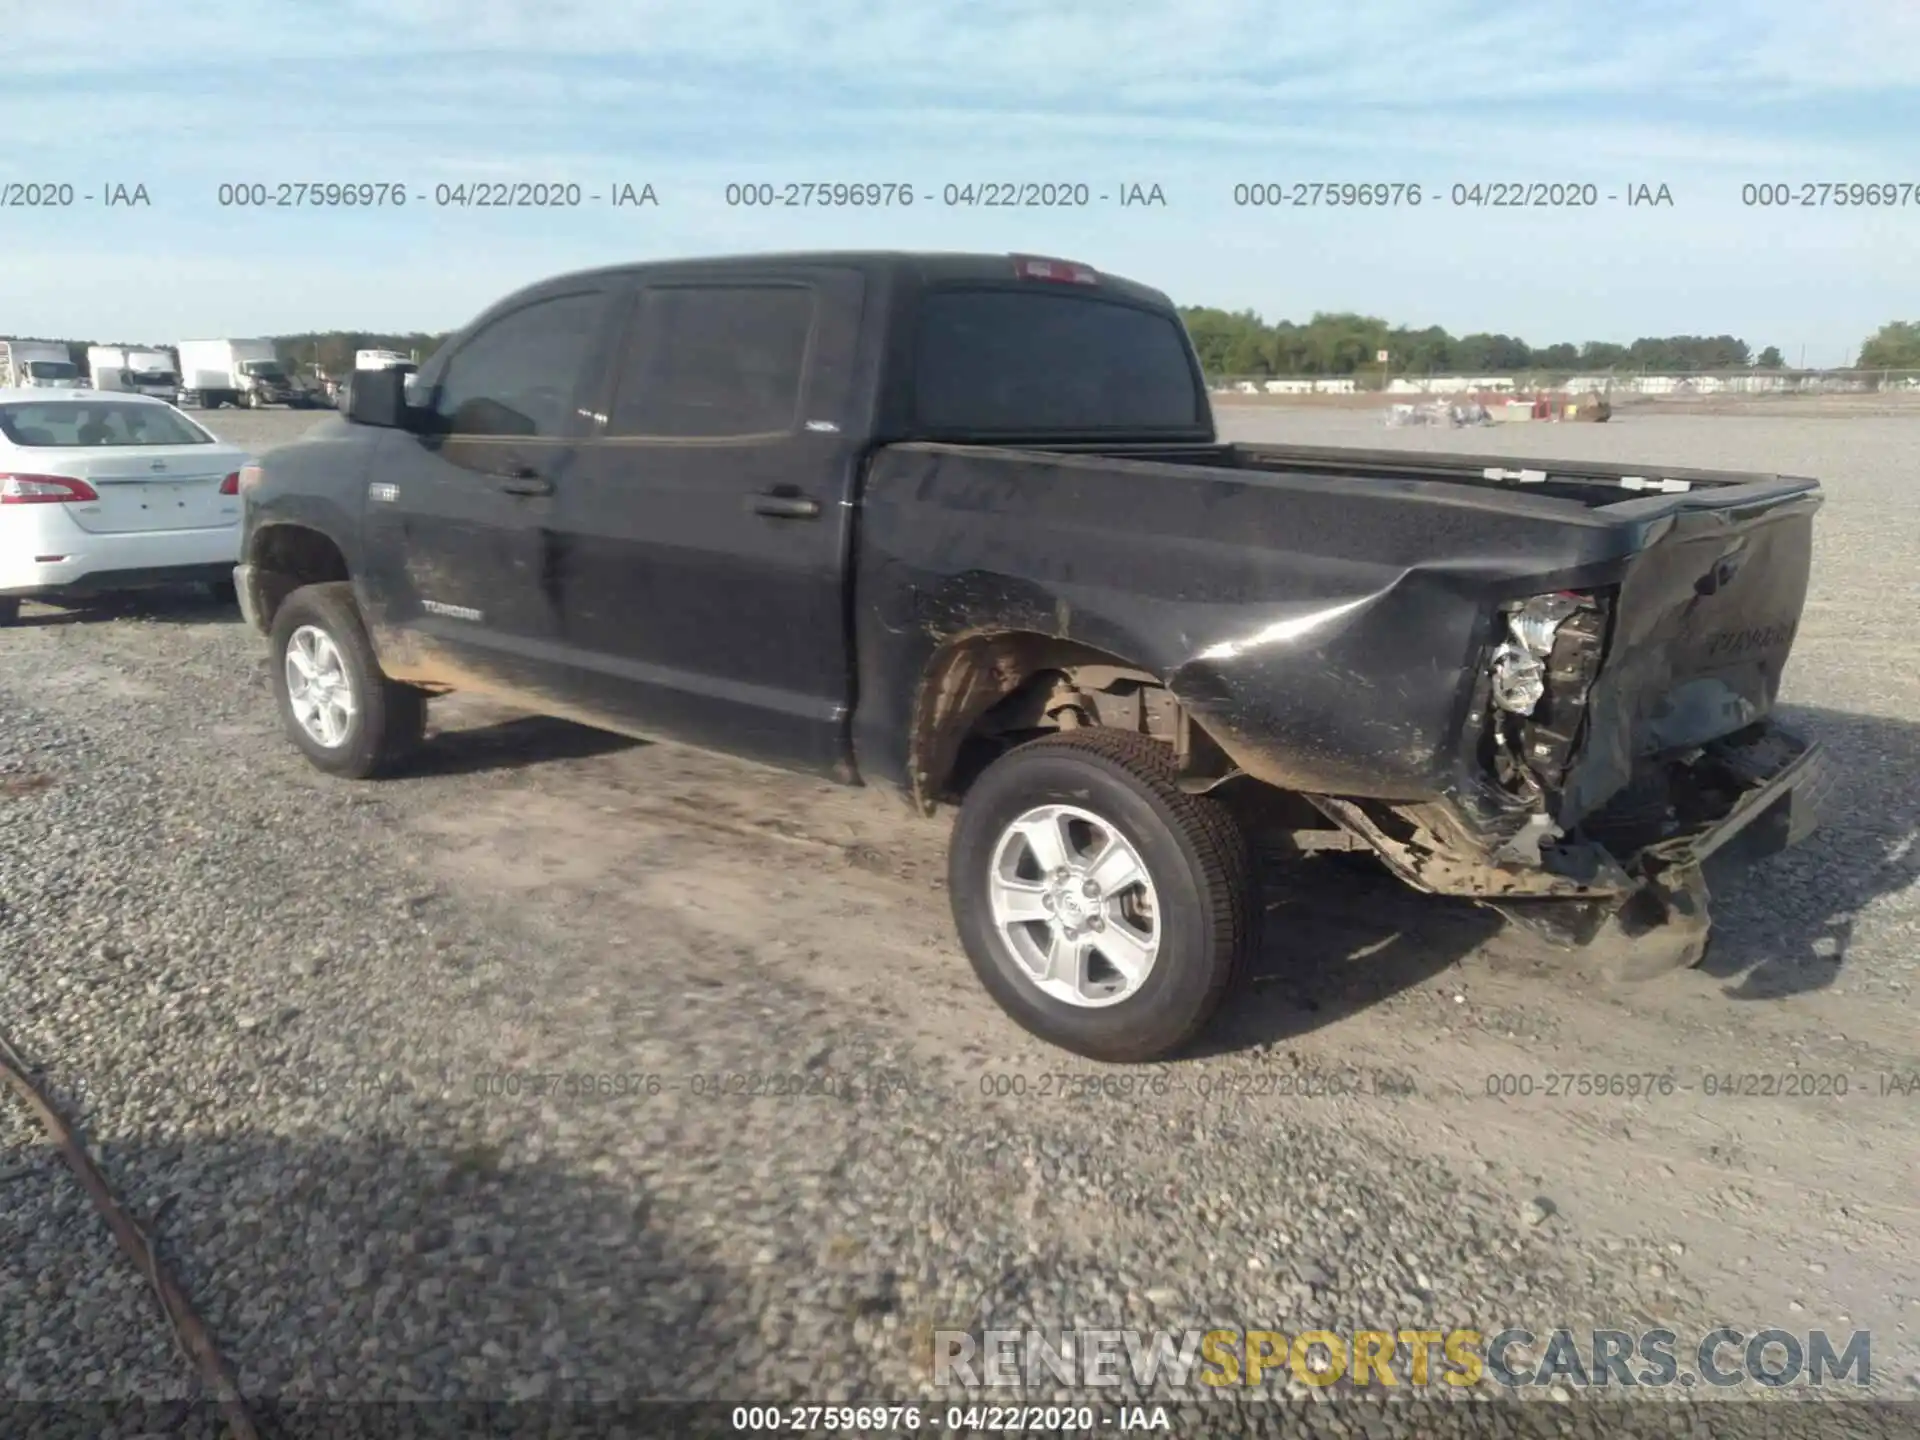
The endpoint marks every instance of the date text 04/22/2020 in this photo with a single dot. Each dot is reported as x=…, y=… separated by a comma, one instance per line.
x=463, y=195
x=951, y=1419
x=1064, y=194
x=1325, y=194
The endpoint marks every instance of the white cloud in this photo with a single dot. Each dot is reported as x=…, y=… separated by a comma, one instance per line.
x=1360, y=52
x=1195, y=93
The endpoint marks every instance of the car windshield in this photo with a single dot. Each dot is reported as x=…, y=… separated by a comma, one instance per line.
x=95, y=423
x=262, y=369
x=53, y=370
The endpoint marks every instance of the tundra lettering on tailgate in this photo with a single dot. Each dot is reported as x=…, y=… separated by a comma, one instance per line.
x=1732, y=644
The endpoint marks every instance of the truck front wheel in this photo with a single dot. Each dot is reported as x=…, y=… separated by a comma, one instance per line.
x=345, y=715
x=1104, y=908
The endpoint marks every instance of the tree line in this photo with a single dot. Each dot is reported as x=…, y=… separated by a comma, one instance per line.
x=1342, y=343
x=1240, y=343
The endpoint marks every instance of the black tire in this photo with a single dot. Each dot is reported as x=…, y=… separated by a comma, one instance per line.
x=1199, y=860
x=9, y=609
x=389, y=719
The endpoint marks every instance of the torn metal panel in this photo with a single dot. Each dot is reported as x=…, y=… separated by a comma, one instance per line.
x=1327, y=626
x=1428, y=847
x=1702, y=626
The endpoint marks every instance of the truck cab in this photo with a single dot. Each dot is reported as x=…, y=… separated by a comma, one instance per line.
x=38, y=365
x=134, y=372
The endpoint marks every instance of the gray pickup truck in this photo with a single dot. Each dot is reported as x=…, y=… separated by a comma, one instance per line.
x=961, y=525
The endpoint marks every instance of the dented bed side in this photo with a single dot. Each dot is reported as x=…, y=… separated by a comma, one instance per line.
x=1333, y=632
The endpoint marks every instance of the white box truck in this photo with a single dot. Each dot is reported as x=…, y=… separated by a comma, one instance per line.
x=247, y=373
x=39, y=364
x=141, y=372
x=377, y=360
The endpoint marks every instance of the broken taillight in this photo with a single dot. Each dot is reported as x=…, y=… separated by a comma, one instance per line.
x=1540, y=676
x=1519, y=664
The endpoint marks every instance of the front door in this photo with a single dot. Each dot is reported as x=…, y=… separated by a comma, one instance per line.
x=462, y=549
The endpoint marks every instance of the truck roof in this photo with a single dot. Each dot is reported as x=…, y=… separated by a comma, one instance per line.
x=927, y=267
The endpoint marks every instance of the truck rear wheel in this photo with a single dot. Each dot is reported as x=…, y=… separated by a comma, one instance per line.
x=1104, y=908
x=341, y=711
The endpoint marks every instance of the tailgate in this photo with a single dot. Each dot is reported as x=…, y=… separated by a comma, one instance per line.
x=1703, y=621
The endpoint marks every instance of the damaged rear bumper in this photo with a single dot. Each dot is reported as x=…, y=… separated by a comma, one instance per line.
x=1648, y=900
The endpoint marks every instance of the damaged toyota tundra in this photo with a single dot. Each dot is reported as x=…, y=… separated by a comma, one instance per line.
x=961, y=526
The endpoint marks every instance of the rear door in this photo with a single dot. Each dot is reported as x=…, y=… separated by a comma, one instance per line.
x=708, y=521
x=460, y=520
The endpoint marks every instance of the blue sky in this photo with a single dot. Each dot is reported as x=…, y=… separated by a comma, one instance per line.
x=1194, y=95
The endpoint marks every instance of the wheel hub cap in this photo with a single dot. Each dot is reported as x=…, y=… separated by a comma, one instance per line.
x=1074, y=906
x=319, y=689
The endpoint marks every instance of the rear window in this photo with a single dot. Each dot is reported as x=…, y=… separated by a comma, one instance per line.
x=1037, y=362
x=90, y=424
x=52, y=369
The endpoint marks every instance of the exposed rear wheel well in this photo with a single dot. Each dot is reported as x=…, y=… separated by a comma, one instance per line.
x=286, y=557
x=988, y=693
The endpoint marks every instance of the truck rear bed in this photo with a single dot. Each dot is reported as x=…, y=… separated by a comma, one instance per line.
x=1589, y=483
x=1330, y=616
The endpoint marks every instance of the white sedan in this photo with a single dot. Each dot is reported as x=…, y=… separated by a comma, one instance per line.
x=102, y=492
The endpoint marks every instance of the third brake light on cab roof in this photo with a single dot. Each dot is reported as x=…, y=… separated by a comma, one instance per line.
x=1068, y=272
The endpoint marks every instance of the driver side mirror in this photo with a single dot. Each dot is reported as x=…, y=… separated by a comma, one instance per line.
x=379, y=397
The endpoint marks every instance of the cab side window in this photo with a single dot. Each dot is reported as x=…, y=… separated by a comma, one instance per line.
x=517, y=378
x=714, y=362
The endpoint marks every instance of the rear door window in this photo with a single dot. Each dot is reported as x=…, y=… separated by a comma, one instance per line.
x=714, y=361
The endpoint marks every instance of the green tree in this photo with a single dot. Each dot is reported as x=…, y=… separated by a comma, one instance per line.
x=1895, y=346
x=1771, y=359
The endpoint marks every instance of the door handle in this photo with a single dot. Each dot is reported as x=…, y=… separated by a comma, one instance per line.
x=783, y=506
x=526, y=481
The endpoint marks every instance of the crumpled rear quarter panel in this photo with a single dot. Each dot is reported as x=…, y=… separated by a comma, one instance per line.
x=1325, y=630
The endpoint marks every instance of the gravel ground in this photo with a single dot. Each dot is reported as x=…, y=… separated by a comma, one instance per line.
x=282, y=1008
